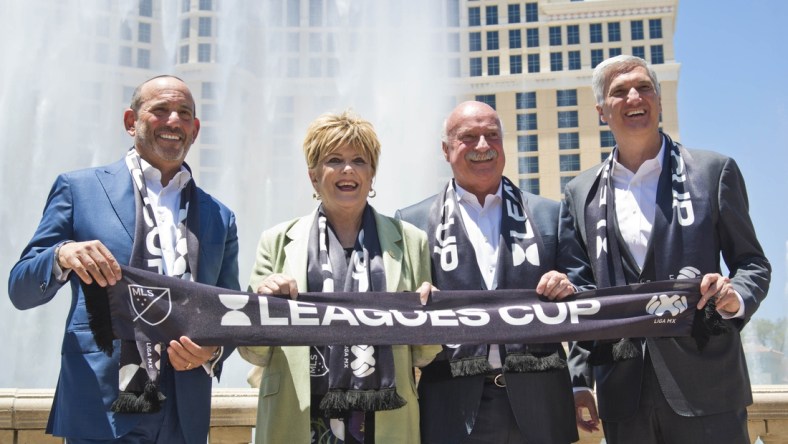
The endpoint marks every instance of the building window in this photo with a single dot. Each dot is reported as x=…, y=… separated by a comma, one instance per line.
x=185, y=5
x=125, y=31
x=453, y=42
x=526, y=100
x=597, y=56
x=555, y=35
x=528, y=165
x=206, y=5
x=606, y=139
x=515, y=40
x=526, y=122
x=514, y=13
x=204, y=29
x=530, y=185
x=567, y=119
x=204, y=52
x=315, y=12
x=532, y=37
x=492, y=40
x=476, y=66
x=124, y=56
x=565, y=180
x=493, y=66
x=491, y=13
x=143, y=58
x=475, y=41
x=486, y=98
x=184, y=55
x=454, y=67
x=604, y=155
x=293, y=12
x=531, y=12
x=566, y=97
x=315, y=42
x=533, y=63
x=639, y=51
x=637, y=29
x=515, y=64
x=595, y=32
x=657, y=57
x=293, y=67
x=143, y=32
x=315, y=67
x=208, y=90
x=573, y=34
x=612, y=52
x=556, y=61
x=568, y=141
x=527, y=143
x=614, y=32
x=569, y=162
x=574, y=60
x=185, y=28
x=655, y=28
x=474, y=16
x=453, y=13
x=146, y=8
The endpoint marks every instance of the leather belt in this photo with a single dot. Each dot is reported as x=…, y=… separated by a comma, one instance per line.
x=496, y=378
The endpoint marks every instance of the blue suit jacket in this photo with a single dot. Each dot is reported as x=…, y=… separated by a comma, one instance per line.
x=98, y=203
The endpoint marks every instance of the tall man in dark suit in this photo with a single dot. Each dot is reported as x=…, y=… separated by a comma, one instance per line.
x=143, y=210
x=655, y=210
x=486, y=234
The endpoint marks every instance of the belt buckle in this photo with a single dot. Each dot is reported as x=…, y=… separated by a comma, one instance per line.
x=499, y=380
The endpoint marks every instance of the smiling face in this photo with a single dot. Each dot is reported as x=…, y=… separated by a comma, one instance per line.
x=164, y=127
x=631, y=104
x=343, y=179
x=474, y=148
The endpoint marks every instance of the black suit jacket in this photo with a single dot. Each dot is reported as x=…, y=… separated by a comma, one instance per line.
x=542, y=402
x=695, y=383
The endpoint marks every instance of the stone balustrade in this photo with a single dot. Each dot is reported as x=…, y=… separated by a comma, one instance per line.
x=24, y=413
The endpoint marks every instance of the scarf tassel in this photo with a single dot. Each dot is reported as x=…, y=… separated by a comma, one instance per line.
x=608, y=352
x=99, y=317
x=471, y=366
x=707, y=323
x=530, y=363
x=336, y=403
x=149, y=401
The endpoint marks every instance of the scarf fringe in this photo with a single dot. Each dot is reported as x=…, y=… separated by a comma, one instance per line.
x=610, y=351
x=707, y=323
x=336, y=403
x=149, y=401
x=530, y=363
x=99, y=316
x=472, y=366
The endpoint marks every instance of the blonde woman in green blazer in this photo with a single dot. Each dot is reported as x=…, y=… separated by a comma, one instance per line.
x=344, y=231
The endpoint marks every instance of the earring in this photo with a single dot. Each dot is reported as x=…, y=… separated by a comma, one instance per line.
x=316, y=196
x=372, y=193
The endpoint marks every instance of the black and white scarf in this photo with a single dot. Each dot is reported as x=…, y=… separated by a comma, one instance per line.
x=140, y=361
x=520, y=265
x=680, y=252
x=349, y=378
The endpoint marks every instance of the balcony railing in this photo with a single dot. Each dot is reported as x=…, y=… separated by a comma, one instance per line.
x=24, y=413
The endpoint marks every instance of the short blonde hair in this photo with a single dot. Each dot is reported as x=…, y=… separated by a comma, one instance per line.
x=331, y=132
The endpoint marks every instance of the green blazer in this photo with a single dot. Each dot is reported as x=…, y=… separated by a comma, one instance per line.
x=284, y=401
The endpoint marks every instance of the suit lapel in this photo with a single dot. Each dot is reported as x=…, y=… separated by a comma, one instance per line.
x=391, y=244
x=116, y=181
x=296, y=250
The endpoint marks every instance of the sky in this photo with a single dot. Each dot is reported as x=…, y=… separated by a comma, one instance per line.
x=733, y=99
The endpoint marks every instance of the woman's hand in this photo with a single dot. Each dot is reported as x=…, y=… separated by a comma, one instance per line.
x=279, y=284
x=424, y=291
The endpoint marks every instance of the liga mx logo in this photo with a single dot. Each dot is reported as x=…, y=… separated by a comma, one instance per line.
x=152, y=305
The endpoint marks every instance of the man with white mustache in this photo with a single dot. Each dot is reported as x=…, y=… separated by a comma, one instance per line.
x=486, y=234
x=144, y=211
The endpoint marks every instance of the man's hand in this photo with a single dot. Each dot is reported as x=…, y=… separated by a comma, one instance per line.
x=584, y=403
x=720, y=288
x=555, y=286
x=186, y=355
x=91, y=261
x=279, y=284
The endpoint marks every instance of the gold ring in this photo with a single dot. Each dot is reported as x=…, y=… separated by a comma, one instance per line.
x=189, y=365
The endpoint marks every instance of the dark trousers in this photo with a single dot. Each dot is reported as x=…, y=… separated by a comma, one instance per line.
x=495, y=422
x=655, y=422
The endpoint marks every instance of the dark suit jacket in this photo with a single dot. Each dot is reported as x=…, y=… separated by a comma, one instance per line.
x=542, y=402
x=695, y=383
x=98, y=203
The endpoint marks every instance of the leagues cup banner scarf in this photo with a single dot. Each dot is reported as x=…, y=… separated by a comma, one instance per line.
x=216, y=316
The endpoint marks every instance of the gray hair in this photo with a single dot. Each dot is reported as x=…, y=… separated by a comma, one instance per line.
x=613, y=66
x=445, y=131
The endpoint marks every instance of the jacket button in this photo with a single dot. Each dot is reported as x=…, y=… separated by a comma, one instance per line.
x=43, y=286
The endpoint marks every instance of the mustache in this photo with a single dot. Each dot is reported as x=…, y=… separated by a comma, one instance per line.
x=477, y=156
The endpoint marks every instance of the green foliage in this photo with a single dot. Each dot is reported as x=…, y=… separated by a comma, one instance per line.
x=770, y=333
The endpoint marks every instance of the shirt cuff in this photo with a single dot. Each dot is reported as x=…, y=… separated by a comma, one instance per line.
x=211, y=363
x=581, y=389
x=738, y=314
x=60, y=275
